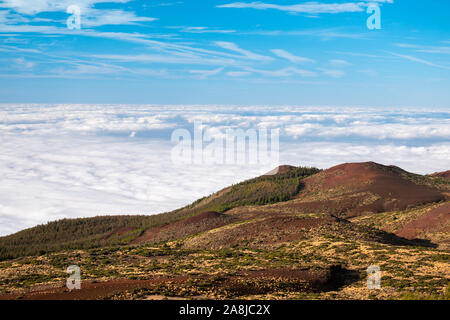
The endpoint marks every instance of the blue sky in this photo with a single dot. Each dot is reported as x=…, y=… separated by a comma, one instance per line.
x=226, y=52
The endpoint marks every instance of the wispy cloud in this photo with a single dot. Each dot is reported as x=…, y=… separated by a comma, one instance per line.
x=289, y=56
x=339, y=63
x=285, y=72
x=238, y=73
x=95, y=18
x=357, y=54
x=34, y=7
x=425, y=49
x=308, y=7
x=322, y=33
x=369, y=72
x=333, y=73
x=418, y=60
x=18, y=49
x=204, y=74
x=245, y=53
x=23, y=63
x=169, y=59
x=91, y=17
x=202, y=30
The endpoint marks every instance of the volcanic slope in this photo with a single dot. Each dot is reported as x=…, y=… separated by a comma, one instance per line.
x=445, y=174
x=325, y=203
x=353, y=189
x=294, y=233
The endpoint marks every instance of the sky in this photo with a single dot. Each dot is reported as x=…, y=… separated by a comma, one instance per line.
x=226, y=52
x=88, y=114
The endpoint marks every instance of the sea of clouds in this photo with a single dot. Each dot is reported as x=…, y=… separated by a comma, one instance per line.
x=65, y=161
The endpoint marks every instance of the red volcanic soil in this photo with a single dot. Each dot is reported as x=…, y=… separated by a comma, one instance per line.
x=352, y=180
x=203, y=216
x=267, y=232
x=198, y=223
x=445, y=174
x=434, y=220
x=273, y=230
x=243, y=283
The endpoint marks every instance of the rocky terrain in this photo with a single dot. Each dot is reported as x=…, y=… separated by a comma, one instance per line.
x=294, y=233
